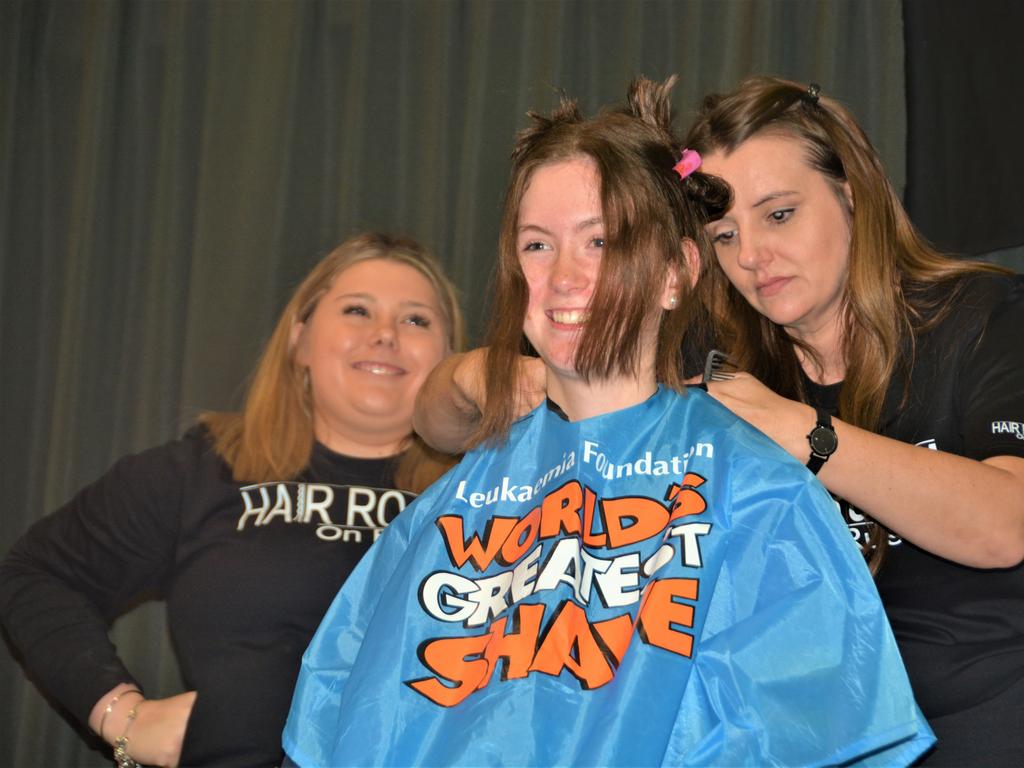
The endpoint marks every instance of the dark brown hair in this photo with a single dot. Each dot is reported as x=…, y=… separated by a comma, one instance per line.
x=647, y=211
x=898, y=286
x=272, y=437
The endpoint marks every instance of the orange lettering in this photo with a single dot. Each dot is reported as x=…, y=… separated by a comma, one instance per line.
x=590, y=538
x=560, y=510
x=614, y=635
x=648, y=517
x=660, y=613
x=517, y=647
x=685, y=500
x=523, y=536
x=460, y=550
x=448, y=658
x=570, y=644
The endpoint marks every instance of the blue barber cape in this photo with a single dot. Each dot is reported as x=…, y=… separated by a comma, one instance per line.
x=662, y=585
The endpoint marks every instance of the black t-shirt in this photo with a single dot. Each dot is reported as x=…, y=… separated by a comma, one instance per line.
x=960, y=629
x=247, y=571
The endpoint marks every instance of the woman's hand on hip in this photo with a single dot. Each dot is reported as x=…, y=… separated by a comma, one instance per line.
x=159, y=730
x=155, y=734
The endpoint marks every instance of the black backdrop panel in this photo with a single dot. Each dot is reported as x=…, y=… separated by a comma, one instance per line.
x=965, y=122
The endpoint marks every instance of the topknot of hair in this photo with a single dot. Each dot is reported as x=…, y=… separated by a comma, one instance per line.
x=651, y=102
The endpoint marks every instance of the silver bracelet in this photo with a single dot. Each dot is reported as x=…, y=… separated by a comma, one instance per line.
x=121, y=756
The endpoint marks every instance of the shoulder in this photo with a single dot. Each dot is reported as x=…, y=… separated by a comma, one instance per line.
x=750, y=480
x=176, y=461
x=988, y=291
x=958, y=313
x=194, y=446
x=976, y=296
x=735, y=443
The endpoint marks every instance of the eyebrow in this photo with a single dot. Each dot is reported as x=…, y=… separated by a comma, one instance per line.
x=373, y=299
x=585, y=224
x=773, y=196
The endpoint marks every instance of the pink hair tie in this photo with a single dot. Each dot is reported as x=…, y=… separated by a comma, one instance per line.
x=688, y=163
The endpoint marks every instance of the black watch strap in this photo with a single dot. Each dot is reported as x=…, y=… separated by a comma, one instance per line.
x=823, y=441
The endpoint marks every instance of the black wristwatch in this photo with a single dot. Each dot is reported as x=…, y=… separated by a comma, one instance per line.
x=823, y=440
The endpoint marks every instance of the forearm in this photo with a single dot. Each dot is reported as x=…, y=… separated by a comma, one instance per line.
x=109, y=714
x=61, y=635
x=967, y=511
x=445, y=417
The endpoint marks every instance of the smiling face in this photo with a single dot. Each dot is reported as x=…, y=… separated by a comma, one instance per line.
x=368, y=345
x=785, y=243
x=560, y=241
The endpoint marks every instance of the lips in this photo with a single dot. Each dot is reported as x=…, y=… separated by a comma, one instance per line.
x=771, y=286
x=378, y=368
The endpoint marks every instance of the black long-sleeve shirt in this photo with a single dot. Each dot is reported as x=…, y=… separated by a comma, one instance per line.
x=247, y=572
x=960, y=629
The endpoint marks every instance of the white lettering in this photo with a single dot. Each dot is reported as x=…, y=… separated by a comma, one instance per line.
x=619, y=584
x=523, y=575
x=320, y=506
x=563, y=566
x=440, y=592
x=361, y=502
x=282, y=508
x=691, y=546
x=1014, y=428
x=251, y=509
x=384, y=504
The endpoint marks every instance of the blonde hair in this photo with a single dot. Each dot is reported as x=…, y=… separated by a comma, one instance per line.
x=898, y=286
x=647, y=211
x=272, y=437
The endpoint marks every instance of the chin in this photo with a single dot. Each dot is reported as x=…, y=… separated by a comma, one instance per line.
x=390, y=407
x=563, y=369
x=784, y=315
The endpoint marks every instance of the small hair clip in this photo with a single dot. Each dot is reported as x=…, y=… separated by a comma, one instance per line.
x=688, y=163
x=812, y=94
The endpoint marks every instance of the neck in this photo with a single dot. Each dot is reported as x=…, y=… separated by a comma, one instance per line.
x=582, y=400
x=827, y=366
x=361, y=445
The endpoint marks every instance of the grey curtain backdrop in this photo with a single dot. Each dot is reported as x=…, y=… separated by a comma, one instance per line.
x=170, y=169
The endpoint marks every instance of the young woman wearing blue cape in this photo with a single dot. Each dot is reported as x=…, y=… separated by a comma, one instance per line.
x=629, y=574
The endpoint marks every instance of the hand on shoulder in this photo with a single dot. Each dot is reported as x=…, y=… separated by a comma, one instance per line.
x=785, y=421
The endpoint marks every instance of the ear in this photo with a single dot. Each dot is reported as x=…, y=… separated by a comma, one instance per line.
x=848, y=195
x=670, y=290
x=691, y=260
x=296, y=342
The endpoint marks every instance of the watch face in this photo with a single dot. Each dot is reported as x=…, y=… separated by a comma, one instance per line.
x=823, y=440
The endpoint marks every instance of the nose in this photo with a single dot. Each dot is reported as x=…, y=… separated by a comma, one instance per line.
x=753, y=253
x=384, y=333
x=567, y=274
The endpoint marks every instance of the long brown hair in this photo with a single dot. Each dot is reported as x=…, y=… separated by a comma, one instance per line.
x=898, y=286
x=272, y=437
x=647, y=211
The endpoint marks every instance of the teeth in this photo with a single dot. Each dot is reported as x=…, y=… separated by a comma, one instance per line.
x=569, y=316
x=385, y=370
